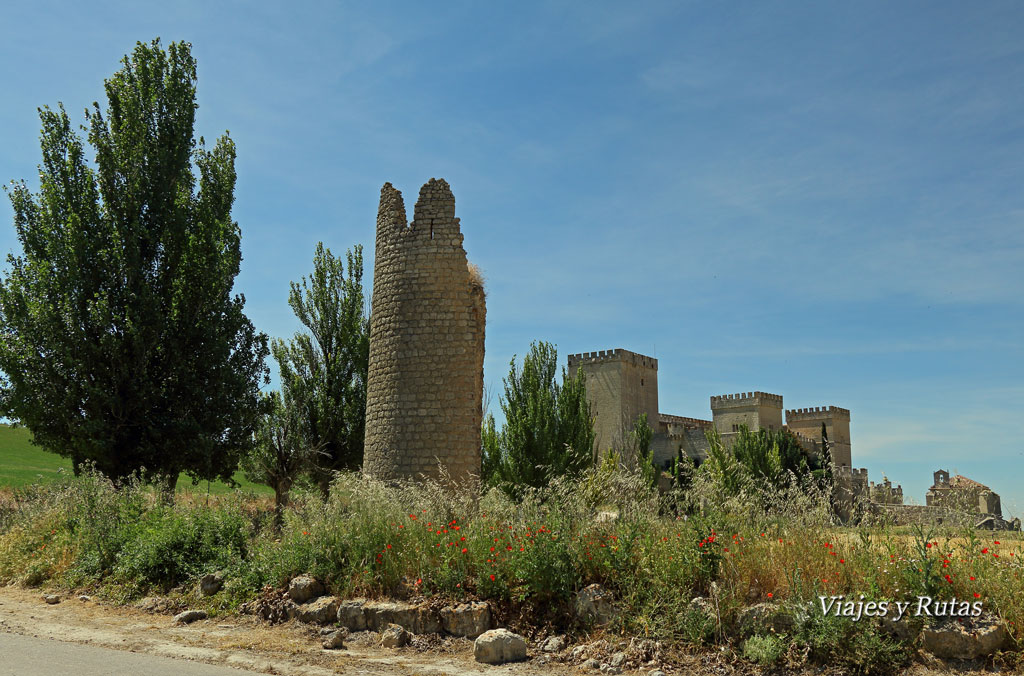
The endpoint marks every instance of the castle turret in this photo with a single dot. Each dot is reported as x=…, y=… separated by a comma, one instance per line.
x=756, y=410
x=808, y=422
x=621, y=385
x=425, y=381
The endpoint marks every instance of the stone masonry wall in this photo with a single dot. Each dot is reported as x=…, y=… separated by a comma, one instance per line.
x=425, y=382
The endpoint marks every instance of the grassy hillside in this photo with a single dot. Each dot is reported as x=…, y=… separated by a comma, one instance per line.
x=22, y=463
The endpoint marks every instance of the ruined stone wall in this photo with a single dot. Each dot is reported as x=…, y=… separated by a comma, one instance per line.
x=425, y=382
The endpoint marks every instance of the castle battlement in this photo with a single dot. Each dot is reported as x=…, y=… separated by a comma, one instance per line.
x=695, y=423
x=817, y=412
x=745, y=399
x=851, y=472
x=618, y=354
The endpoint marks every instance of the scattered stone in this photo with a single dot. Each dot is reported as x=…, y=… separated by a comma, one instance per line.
x=578, y=652
x=351, y=615
x=499, y=646
x=618, y=659
x=609, y=669
x=51, y=599
x=323, y=610
x=190, y=616
x=153, y=604
x=211, y=584
x=335, y=640
x=656, y=672
x=594, y=604
x=84, y=598
x=591, y=664
x=975, y=637
x=553, y=644
x=467, y=619
x=304, y=588
x=704, y=606
x=395, y=636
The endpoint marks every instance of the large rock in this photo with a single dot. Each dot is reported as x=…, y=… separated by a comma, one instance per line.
x=594, y=604
x=395, y=636
x=974, y=637
x=498, y=646
x=419, y=619
x=323, y=610
x=304, y=588
x=352, y=615
x=211, y=584
x=467, y=619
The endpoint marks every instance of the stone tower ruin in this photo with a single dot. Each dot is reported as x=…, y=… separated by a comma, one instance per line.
x=425, y=381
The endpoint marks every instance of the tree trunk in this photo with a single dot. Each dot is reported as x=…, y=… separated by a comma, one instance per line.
x=166, y=486
x=281, y=492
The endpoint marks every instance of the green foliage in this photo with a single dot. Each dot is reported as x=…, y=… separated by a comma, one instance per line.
x=640, y=439
x=120, y=340
x=548, y=431
x=323, y=372
x=765, y=650
x=772, y=455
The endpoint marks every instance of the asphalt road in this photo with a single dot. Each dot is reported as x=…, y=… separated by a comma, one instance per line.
x=28, y=656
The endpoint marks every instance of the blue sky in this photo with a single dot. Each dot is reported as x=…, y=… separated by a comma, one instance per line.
x=821, y=200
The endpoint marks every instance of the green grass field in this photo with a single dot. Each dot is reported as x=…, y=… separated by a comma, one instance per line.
x=22, y=463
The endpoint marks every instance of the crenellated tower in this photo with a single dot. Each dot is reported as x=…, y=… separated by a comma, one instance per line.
x=808, y=422
x=425, y=382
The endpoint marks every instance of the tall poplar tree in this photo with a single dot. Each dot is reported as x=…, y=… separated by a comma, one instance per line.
x=120, y=340
x=548, y=430
x=323, y=370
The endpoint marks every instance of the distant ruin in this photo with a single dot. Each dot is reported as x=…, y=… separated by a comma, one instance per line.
x=425, y=380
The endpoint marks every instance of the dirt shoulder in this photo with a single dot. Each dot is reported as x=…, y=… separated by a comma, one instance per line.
x=294, y=649
x=239, y=641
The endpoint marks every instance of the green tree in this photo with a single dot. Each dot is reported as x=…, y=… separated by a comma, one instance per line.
x=323, y=372
x=640, y=440
x=548, y=430
x=280, y=454
x=120, y=340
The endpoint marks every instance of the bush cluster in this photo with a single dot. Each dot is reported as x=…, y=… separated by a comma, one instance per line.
x=655, y=554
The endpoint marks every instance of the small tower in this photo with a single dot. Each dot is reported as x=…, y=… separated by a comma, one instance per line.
x=808, y=422
x=756, y=410
x=621, y=386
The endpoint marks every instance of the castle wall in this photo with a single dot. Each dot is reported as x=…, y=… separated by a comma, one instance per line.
x=621, y=386
x=425, y=381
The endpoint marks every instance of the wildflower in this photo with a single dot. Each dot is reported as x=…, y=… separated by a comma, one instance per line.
x=419, y=581
x=984, y=550
x=769, y=594
x=996, y=541
x=842, y=560
x=972, y=577
x=928, y=545
x=977, y=595
x=464, y=550
x=492, y=577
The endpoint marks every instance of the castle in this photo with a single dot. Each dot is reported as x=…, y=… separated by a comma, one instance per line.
x=424, y=386
x=623, y=385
